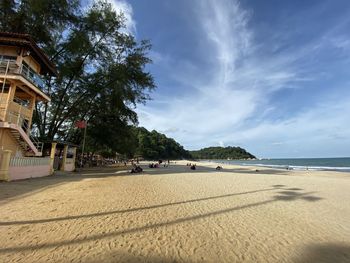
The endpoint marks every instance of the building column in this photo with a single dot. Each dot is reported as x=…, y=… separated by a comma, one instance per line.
x=4, y=165
x=31, y=108
x=64, y=159
x=74, y=150
x=52, y=156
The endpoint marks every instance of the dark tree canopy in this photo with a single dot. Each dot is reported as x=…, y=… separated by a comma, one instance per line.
x=101, y=68
x=153, y=145
x=222, y=153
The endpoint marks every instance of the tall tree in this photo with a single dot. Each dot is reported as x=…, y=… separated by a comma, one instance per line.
x=153, y=145
x=101, y=67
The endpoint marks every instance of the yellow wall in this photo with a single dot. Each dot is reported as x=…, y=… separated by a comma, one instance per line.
x=12, y=51
x=3, y=105
x=32, y=63
x=9, y=143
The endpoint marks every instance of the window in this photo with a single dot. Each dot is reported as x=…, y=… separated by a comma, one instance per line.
x=6, y=58
x=28, y=71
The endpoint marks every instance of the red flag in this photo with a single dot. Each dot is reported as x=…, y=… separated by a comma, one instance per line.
x=80, y=124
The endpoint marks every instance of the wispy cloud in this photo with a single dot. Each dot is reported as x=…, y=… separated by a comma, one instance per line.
x=230, y=102
x=125, y=8
x=323, y=127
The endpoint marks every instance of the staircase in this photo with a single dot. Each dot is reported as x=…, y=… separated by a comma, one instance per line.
x=28, y=144
x=17, y=136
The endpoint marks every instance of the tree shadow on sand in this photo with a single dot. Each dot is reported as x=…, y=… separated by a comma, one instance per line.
x=205, y=169
x=325, y=253
x=19, y=189
x=281, y=196
x=136, y=209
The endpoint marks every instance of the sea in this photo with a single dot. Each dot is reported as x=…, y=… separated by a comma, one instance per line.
x=318, y=164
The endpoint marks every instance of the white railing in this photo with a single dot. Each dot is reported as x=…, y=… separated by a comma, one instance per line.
x=23, y=103
x=39, y=145
x=8, y=66
x=32, y=76
x=29, y=161
x=11, y=67
x=18, y=119
x=15, y=118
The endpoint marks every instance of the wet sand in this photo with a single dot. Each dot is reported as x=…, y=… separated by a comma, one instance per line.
x=177, y=215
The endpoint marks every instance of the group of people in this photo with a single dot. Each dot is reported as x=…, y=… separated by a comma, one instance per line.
x=136, y=169
x=192, y=166
x=153, y=165
x=157, y=165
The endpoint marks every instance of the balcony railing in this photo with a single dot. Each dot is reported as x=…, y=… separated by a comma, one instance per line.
x=29, y=74
x=10, y=67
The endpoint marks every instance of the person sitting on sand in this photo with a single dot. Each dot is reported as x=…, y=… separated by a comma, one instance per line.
x=151, y=165
x=218, y=168
x=193, y=167
x=136, y=169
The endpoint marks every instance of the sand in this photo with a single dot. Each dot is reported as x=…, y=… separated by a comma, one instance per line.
x=177, y=215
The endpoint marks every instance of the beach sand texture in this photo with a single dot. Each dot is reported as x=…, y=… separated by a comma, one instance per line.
x=177, y=215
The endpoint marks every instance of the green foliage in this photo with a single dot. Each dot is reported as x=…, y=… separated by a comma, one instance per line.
x=153, y=146
x=101, y=69
x=222, y=153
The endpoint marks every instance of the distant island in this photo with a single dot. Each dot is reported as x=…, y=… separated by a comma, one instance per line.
x=222, y=153
x=152, y=145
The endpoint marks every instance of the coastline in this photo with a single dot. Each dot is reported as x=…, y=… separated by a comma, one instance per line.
x=285, y=166
x=174, y=214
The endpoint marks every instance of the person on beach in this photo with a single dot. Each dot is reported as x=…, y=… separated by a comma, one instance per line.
x=136, y=169
x=193, y=167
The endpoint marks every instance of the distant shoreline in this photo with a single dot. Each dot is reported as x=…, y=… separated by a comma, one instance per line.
x=302, y=164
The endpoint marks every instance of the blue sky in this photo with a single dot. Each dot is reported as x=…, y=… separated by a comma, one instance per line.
x=269, y=76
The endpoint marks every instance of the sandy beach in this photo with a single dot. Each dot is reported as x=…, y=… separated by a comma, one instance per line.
x=174, y=214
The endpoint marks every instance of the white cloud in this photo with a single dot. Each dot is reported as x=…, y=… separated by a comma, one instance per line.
x=126, y=9
x=233, y=93
x=341, y=42
x=319, y=132
x=221, y=101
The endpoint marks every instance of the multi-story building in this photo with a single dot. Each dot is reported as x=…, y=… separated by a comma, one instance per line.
x=22, y=63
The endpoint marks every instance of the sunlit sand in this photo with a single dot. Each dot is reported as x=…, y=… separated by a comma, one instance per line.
x=177, y=215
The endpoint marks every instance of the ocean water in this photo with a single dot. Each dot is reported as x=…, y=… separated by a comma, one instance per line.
x=320, y=164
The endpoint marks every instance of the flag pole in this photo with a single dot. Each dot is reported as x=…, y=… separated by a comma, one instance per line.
x=82, y=151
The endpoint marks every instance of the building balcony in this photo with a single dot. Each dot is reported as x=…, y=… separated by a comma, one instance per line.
x=15, y=114
x=9, y=67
